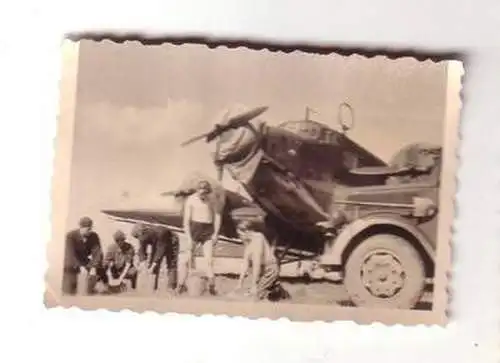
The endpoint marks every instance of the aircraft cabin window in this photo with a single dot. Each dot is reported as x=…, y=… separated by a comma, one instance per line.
x=350, y=160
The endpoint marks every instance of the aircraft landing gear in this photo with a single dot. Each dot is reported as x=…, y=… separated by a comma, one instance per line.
x=385, y=271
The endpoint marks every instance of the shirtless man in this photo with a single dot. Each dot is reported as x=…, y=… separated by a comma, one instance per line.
x=201, y=224
x=260, y=254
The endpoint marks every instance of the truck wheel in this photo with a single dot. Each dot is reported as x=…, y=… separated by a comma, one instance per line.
x=385, y=271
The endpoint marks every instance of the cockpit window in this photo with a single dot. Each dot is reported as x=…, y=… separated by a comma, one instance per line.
x=350, y=160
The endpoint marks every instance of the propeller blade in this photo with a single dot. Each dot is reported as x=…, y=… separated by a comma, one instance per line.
x=247, y=116
x=194, y=139
x=178, y=193
x=236, y=122
x=218, y=165
x=233, y=123
x=220, y=172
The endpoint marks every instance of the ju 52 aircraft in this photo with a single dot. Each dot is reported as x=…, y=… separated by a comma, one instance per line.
x=335, y=210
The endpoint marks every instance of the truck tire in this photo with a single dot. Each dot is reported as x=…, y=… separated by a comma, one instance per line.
x=385, y=271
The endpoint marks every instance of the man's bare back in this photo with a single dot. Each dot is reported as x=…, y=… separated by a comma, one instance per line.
x=257, y=253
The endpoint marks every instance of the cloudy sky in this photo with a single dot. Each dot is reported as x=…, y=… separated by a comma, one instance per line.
x=136, y=104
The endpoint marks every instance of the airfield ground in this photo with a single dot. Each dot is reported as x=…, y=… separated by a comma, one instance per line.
x=302, y=292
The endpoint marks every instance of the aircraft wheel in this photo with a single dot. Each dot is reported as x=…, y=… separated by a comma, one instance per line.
x=385, y=271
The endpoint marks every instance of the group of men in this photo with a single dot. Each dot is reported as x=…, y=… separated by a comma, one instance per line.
x=202, y=223
x=120, y=262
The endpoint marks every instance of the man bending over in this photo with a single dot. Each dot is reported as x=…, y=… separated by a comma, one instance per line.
x=164, y=246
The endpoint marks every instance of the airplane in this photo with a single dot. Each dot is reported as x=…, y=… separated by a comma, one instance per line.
x=335, y=210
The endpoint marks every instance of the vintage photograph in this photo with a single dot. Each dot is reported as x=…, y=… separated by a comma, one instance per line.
x=217, y=180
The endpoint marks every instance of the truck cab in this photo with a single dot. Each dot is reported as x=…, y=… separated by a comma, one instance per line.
x=385, y=251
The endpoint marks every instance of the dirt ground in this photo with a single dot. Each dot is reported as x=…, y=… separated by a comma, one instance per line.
x=301, y=291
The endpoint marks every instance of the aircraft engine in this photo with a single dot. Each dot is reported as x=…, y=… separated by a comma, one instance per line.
x=236, y=144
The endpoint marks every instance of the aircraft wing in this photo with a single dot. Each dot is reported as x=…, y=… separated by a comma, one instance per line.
x=380, y=170
x=232, y=205
x=231, y=246
x=166, y=218
x=170, y=218
x=413, y=158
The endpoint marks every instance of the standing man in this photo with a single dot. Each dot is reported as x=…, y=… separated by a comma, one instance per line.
x=83, y=252
x=119, y=262
x=163, y=244
x=201, y=224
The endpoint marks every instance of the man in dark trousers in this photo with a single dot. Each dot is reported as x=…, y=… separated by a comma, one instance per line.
x=83, y=252
x=163, y=245
x=119, y=263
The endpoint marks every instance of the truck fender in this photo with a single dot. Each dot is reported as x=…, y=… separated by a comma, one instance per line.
x=334, y=251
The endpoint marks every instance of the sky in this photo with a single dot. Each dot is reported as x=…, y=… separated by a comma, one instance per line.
x=136, y=104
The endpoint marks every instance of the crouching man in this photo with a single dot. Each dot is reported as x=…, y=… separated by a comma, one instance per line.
x=83, y=253
x=259, y=253
x=164, y=245
x=119, y=263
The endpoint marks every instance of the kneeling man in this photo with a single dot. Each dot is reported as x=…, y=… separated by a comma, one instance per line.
x=260, y=254
x=119, y=262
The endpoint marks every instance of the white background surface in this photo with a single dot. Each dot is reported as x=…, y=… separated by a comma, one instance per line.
x=29, y=64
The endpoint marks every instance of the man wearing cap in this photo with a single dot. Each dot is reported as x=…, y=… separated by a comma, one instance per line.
x=201, y=224
x=119, y=262
x=83, y=252
x=163, y=245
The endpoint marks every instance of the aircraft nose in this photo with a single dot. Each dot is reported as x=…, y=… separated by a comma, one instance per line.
x=234, y=145
x=237, y=133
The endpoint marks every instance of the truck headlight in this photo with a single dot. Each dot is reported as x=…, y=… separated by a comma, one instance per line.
x=423, y=207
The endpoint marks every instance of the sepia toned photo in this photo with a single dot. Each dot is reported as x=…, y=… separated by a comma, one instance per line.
x=216, y=180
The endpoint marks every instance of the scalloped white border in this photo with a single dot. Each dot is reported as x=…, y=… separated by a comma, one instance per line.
x=33, y=69
x=294, y=312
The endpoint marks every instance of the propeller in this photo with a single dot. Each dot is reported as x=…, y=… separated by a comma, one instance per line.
x=233, y=123
x=169, y=193
x=179, y=193
x=218, y=165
